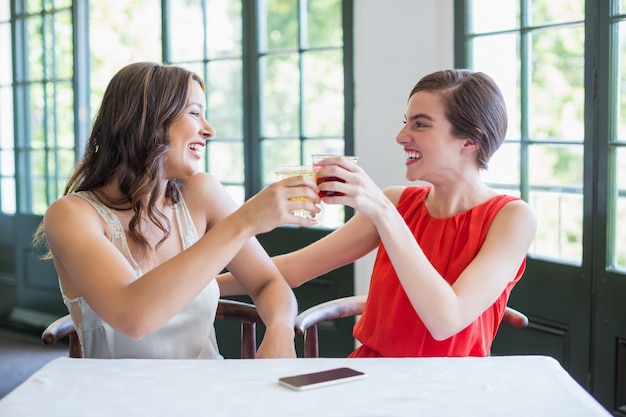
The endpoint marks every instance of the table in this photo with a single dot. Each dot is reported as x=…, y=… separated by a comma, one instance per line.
x=494, y=386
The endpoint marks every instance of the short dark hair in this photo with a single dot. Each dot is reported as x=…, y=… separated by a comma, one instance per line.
x=473, y=104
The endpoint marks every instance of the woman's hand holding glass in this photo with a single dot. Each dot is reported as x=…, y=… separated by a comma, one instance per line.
x=283, y=172
x=276, y=204
x=325, y=176
x=342, y=181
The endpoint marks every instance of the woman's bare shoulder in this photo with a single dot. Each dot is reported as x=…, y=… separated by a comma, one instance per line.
x=73, y=207
x=200, y=184
x=204, y=193
x=516, y=218
x=394, y=193
x=68, y=204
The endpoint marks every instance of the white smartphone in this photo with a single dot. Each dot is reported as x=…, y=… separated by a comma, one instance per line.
x=321, y=379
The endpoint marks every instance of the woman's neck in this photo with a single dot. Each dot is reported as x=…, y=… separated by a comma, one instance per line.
x=453, y=198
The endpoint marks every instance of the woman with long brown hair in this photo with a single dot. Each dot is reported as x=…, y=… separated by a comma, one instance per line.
x=140, y=234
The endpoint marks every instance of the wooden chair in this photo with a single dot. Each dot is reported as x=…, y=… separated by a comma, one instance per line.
x=307, y=321
x=226, y=310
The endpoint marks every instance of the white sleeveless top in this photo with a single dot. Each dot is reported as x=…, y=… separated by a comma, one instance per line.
x=188, y=335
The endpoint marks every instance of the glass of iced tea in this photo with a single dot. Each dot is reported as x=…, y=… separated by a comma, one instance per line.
x=316, y=158
x=285, y=171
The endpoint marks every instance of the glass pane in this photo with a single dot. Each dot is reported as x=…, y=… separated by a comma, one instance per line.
x=503, y=67
x=323, y=147
x=281, y=24
x=37, y=181
x=5, y=12
x=556, y=11
x=64, y=114
x=49, y=122
x=323, y=93
x=225, y=98
x=494, y=15
x=58, y=167
x=37, y=163
x=618, y=232
x=225, y=160
x=37, y=109
x=38, y=193
x=504, y=166
x=6, y=118
x=7, y=186
x=280, y=106
x=116, y=39
x=6, y=58
x=35, y=47
x=224, y=30
x=62, y=3
x=61, y=169
x=619, y=241
x=556, y=108
x=61, y=48
x=324, y=27
x=279, y=152
x=620, y=170
x=556, y=166
x=7, y=161
x=621, y=88
x=559, y=226
x=33, y=6
x=187, y=30
x=622, y=6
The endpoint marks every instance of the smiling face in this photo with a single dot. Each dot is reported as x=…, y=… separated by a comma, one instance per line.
x=188, y=135
x=431, y=151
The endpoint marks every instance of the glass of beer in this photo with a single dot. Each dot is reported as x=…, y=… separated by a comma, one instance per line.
x=316, y=158
x=285, y=171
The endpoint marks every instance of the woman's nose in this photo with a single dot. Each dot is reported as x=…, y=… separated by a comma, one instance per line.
x=402, y=137
x=208, y=131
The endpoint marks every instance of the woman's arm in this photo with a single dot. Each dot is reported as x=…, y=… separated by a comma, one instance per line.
x=344, y=245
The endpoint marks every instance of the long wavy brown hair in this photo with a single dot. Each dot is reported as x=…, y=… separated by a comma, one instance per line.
x=129, y=141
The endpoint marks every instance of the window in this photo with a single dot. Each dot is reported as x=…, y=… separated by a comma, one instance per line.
x=38, y=149
x=7, y=149
x=617, y=144
x=540, y=69
x=274, y=71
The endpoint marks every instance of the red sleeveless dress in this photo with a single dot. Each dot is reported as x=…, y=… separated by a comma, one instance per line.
x=389, y=326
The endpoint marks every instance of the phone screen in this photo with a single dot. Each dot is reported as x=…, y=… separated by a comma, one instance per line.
x=321, y=379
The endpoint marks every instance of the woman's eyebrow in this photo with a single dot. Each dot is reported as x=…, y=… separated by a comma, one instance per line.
x=197, y=103
x=421, y=116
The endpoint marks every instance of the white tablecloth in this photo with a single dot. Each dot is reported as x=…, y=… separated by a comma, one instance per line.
x=510, y=386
